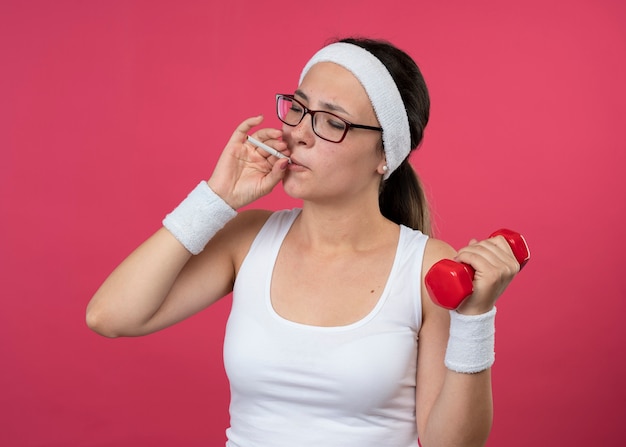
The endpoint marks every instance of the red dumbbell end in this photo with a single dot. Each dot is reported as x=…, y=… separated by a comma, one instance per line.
x=449, y=283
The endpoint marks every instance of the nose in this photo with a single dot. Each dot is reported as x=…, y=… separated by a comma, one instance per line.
x=302, y=133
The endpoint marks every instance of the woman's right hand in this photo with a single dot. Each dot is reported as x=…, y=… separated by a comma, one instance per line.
x=244, y=173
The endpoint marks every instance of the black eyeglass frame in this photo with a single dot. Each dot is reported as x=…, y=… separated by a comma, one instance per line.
x=306, y=110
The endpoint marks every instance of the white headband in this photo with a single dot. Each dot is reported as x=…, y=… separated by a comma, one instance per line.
x=382, y=91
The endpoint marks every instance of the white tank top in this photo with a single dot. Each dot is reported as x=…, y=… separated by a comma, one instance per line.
x=299, y=385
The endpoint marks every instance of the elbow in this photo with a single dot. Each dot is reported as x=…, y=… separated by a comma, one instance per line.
x=96, y=323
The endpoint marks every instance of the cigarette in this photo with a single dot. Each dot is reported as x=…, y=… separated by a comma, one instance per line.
x=266, y=148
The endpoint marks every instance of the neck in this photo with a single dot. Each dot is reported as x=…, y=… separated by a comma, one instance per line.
x=343, y=228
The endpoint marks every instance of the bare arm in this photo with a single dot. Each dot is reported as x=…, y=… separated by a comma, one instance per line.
x=161, y=283
x=456, y=409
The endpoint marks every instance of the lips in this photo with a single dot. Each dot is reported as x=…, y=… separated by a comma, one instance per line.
x=296, y=162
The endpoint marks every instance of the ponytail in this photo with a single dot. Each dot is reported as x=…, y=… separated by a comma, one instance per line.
x=403, y=201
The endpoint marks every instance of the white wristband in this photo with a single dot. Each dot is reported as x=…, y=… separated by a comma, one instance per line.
x=471, y=343
x=196, y=220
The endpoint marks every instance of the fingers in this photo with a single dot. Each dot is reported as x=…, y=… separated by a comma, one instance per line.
x=269, y=136
x=244, y=128
x=278, y=172
x=244, y=172
x=268, y=148
x=489, y=254
x=495, y=267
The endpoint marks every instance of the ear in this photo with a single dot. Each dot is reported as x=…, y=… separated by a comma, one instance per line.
x=382, y=167
x=382, y=160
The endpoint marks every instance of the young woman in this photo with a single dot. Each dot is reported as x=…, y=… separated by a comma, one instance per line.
x=332, y=338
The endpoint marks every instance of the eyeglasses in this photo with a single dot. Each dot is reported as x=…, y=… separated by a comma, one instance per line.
x=326, y=125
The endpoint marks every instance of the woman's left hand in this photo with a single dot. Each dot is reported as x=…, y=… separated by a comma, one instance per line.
x=495, y=267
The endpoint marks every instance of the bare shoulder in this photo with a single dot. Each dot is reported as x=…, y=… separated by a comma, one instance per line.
x=435, y=251
x=250, y=220
x=240, y=232
x=245, y=226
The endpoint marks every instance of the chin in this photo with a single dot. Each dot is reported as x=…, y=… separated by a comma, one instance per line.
x=296, y=188
x=293, y=189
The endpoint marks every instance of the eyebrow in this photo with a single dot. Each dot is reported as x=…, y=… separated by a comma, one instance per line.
x=325, y=105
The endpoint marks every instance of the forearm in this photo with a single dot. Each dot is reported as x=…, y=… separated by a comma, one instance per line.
x=462, y=413
x=456, y=395
x=137, y=288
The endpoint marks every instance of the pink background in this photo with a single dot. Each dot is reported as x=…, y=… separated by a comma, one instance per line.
x=111, y=111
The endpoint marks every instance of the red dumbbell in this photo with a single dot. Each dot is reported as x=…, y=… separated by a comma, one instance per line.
x=449, y=282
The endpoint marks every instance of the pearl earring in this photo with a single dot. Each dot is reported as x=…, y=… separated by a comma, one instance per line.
x=385, y=168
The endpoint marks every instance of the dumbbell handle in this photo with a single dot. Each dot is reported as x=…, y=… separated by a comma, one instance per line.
x=449, y=282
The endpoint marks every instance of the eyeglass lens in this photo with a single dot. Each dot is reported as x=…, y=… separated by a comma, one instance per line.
x=326, y=125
